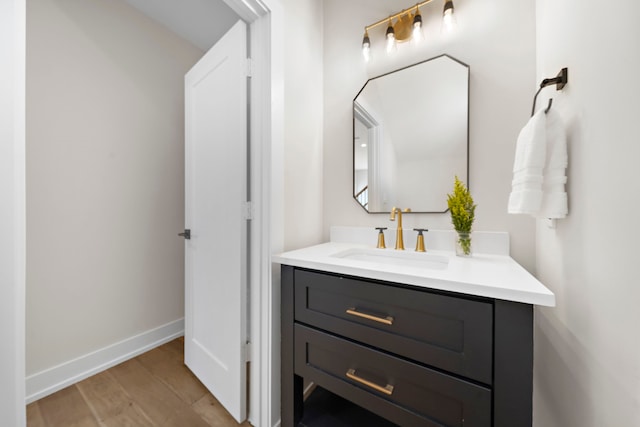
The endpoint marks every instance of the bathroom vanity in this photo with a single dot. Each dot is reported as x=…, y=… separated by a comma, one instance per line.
x=417, y=339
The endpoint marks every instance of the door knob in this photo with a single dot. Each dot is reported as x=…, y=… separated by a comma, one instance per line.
x=186, y=234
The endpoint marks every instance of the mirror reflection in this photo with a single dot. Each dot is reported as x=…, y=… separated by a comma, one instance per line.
x=410, y=136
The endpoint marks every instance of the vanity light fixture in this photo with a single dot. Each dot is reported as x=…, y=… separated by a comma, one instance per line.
x=407, y=26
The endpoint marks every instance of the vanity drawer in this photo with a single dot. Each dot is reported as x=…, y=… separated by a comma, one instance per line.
x=403, y=392
x=450, y=333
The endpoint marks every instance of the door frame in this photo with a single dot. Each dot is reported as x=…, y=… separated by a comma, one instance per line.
x=267, y=118
x=12, y=211
x=266, y=162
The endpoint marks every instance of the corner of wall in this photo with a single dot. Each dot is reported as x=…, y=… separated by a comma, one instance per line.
x=303, y=127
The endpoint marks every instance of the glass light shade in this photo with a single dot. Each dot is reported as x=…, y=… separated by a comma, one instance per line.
x=448, y=17
x=366, y=47
x=417, y=34
x=391, y=39
x=366, y=53
x=448, y=22
x=391, y=44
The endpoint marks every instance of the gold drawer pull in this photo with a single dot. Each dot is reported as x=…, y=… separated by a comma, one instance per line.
x=388, y=389
x=386, y=320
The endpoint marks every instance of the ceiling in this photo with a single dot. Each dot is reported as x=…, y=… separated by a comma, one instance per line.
x=202, y=22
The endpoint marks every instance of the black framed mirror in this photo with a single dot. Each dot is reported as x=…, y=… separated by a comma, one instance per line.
x=411, y=136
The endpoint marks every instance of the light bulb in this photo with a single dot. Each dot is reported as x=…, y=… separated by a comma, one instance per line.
x=448, y=17
x=366, y=47
x=391, y=44
x=417, y=27
x=391, y=39
x=366, y=53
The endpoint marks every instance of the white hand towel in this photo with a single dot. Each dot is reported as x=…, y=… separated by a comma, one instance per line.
x=554, y=197
x=526, y=194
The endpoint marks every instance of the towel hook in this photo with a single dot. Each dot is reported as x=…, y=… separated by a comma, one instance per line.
x=560, y=81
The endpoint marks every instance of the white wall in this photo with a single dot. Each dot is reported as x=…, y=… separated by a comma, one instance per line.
x=105, y=176
x=301, y=222
x=497, y=40
x=587, y=351
x=12, y=212
x=303, y=126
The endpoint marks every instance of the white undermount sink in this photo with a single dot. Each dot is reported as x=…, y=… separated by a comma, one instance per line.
x=394, y=257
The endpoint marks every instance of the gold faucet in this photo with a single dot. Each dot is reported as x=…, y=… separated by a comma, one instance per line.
x=399, y=235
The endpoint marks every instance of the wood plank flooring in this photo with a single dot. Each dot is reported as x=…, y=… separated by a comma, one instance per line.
x=153, y=389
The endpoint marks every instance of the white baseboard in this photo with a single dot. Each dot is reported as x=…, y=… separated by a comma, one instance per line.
x=49, y=381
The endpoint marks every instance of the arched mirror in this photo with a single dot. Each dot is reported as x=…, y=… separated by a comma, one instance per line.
x=411, y=136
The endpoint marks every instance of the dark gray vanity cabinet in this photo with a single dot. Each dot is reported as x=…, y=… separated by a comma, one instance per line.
x=415, y=356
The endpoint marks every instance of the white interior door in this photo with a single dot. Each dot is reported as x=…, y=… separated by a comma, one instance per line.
x=216, y=195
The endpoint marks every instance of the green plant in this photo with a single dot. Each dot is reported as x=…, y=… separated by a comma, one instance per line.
x=462, y=211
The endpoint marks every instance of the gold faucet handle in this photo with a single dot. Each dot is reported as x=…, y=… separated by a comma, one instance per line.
x=420, y=241
x=381, y=244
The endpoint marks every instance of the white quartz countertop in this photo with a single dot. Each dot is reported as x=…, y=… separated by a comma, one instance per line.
x=492, y=276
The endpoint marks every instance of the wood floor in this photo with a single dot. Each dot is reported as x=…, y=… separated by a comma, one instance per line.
x=153, y=389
